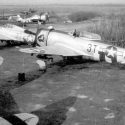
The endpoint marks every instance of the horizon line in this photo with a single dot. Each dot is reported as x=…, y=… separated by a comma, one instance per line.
x=13, y=4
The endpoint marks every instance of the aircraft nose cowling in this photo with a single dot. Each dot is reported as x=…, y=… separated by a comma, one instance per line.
x=41, y=40
x=42, y=37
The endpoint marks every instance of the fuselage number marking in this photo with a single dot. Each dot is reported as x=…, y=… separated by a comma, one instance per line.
x=91, y=48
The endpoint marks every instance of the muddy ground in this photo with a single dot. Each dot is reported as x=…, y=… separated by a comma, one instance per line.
x=87, y=93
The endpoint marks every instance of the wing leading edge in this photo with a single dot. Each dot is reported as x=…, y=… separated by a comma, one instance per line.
x=57, y=49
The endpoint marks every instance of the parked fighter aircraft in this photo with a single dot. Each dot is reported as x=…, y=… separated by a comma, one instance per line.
x=53, y=42
x=14, y=34
x=42, y=18
x=30, y=11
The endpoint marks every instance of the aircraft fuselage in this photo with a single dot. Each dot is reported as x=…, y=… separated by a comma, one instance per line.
x=95, y=50
x=13, y=35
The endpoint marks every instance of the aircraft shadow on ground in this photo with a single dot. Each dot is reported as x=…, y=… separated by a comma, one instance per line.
x=7, y=103
x=80, y=63
x=7, y=46
x=55, y=114
x=86, y=64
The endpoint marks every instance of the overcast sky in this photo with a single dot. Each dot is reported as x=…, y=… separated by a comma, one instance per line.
x=62, y=1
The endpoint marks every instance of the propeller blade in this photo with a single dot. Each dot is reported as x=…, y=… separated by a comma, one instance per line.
x=35, y=40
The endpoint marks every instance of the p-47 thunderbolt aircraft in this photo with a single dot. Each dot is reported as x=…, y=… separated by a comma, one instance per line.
x=53, y=42
x=42, y=18
x=14, y=34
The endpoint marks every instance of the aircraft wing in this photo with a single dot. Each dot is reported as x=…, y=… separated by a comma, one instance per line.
x=14, y=33
x=6, y=37
x=6, y=32
x=57, y=49
x=34, y=50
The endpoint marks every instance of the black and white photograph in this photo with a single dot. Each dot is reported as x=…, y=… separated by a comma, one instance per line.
x=62, y=62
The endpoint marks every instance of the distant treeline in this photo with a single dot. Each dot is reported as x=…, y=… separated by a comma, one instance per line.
x=81, y=16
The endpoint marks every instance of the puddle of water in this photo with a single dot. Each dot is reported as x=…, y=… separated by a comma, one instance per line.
x=35, y=106
x=72, y=109
x=82, y=96
x=108, y=100
x=106, y=108
x=110, y=116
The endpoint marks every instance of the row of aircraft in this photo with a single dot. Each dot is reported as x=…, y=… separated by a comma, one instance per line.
x=32, y=17
x=5, y=16
x=50, y=42
x=27, y=12
x=41, y=19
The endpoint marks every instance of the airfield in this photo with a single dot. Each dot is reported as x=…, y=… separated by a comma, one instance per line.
x=79, y=93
